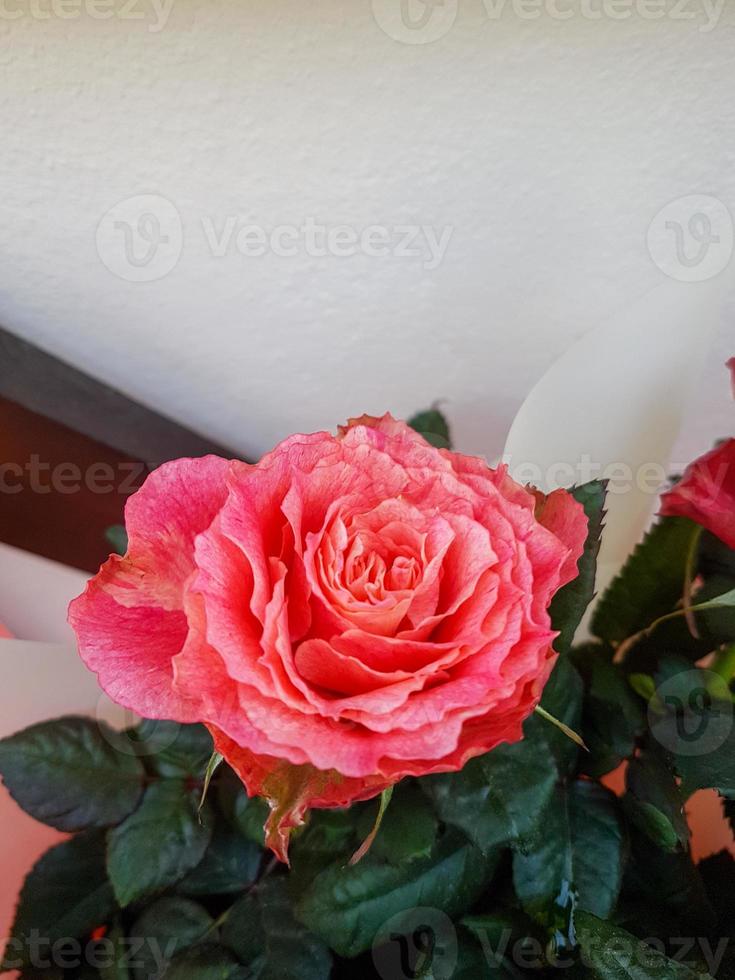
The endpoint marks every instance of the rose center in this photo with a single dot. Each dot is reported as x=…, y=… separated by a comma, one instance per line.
x=371, y=573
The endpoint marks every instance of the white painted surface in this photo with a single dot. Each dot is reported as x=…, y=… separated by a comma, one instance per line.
x=547, y=146
x=605, y=410
x=35, y=594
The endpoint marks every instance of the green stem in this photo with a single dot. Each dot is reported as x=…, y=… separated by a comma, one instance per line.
x=689, y=571
x=569, y=732
x=716, y=603
x=362, y=850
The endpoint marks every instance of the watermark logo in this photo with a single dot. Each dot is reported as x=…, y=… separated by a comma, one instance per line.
x=140, y=239
x=424, y=21
x=415, y=21
x=134, y=735
x=426, y=243
x=691, y=238
x=416, y=943
x=691, y=713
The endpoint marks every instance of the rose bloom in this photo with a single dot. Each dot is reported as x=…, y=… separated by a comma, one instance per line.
x=706, y=493
x=349, y=611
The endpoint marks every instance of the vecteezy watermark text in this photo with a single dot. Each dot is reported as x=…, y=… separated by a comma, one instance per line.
x=155, y=12
x=707, y=13
x=425, y=21
x=423, y=939
x=141, y=239
x=318, y=240
x=68, y=953
x=36, y=475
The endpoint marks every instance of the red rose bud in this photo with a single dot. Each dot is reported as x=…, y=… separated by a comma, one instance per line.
x=706, y=493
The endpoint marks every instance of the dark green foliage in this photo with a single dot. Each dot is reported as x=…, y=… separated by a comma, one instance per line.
x=433, y=426
x=66, y=895
x=650, y=584
x=520, y=865
x=69, y=774
x=569, y=604
x=159, y=843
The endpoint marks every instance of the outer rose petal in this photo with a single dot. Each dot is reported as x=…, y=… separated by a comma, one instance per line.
x=130, y=621
x=291, y=790
x=564, y=516
x=706, y=493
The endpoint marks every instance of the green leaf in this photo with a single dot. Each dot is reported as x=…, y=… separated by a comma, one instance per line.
x=263, y=932
x=242, y=930
x=205, y=963
x=569, y=604
x=508, y=938
x=185, y=751
x=67, y=774
x=247, y=814
x=117, y=537
x=725, y=600
x=347, y=906
x=409, y=829
x=115, y=967
x=650, y=583
x=643, y=685
x=230, y=864
x=613, y=717
x=611, y=953
x=156, y=846
x=329, y=836
x=562, y=698
x=692, y=613
x=581, y=848
x=669, y=883
x=433, y=427
x=472, y=964
x=168, y=926
x=714, y=769
x=691, y=716
x=498, y=797
x=715, y=557
x=654, y=802
x=66, y=895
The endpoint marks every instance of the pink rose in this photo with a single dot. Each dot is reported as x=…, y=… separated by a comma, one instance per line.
x=349, y=611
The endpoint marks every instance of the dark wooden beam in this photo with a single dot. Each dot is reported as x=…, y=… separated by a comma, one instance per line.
x=48, y=386
x=71, y=452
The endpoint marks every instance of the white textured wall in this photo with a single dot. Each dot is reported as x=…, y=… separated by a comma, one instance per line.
x=547, y=146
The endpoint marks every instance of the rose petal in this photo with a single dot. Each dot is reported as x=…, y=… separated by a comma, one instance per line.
x=130, y=621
